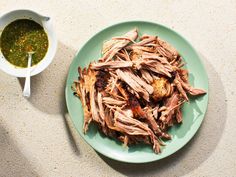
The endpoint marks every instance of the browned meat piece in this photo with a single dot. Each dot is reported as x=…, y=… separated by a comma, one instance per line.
x=146, y=40
x=154, y=66
x=132, y=126
x=86, y=82
x=139, y=139
x=118, y=44
x=94, y=108
x=111, y=83
x=123, y=92
x=101, y=109
x=128, y=112
x=178, y=63
x=135, y=107
x=101, y=80
x=146, y=76
x=108, y=131
x=183, y=73
x=112, y=64
x=123, y=54
x=146, y=114
x=87, y=114
x=89, y=77
x=109, y=119
x=165, y=49
x=180, y=87
x=142, y=139
x=134, y=139
x=153, y=124
x=179, y=116
x=196, y=91
x=161, y=88
x=112, y=101
x=113, y=91
x=151, y=121
x=169, y=108
x=141, y=82
x=126, y=77
x=136, y=54
x=183, y=78
x=191, y=90
x=139, y=49
x=155, y=56
x=155, y=111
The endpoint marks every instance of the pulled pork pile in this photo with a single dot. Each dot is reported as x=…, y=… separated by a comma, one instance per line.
x=135, y=91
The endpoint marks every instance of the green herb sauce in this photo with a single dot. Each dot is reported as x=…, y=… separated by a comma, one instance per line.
x=20, y=37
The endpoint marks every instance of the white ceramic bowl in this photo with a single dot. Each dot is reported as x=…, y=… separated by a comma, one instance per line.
x=46, y=23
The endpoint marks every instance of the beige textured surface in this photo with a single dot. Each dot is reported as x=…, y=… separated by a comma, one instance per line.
x=35, y=138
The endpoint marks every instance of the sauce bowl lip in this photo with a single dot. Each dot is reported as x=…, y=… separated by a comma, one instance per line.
x=9, y=68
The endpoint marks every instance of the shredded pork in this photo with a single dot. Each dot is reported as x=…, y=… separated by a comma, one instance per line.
x=135, y=91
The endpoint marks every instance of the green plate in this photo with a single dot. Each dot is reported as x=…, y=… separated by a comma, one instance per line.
x=193, y=113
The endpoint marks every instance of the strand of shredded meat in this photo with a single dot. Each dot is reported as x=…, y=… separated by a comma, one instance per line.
x=135, y=91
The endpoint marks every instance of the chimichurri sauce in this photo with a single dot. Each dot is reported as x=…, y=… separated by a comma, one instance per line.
x=20, y=37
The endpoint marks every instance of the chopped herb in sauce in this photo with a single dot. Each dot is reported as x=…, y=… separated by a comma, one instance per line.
x=20, y=37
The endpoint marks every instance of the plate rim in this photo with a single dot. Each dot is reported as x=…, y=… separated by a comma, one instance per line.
x=69, y=87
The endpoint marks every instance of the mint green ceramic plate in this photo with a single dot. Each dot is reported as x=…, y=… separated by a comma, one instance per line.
x=193, y=113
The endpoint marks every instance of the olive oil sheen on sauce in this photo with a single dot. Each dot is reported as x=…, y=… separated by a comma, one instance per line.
x=20, y=37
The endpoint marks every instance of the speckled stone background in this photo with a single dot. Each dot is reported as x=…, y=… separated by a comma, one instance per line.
x=36, y=135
